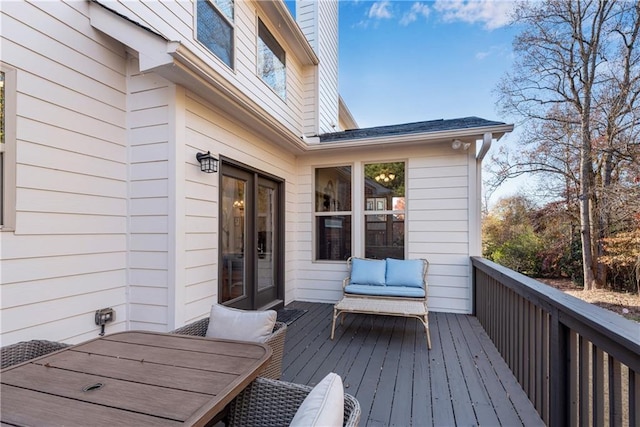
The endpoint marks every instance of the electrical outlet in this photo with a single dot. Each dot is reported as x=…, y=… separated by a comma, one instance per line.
x=104, y=316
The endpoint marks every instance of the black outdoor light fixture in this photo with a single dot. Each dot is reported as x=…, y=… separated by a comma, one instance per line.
x=208, y=163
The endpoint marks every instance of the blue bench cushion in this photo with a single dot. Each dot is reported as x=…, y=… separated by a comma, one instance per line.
x=405, y=272
x=368, y=272
x=385, y=291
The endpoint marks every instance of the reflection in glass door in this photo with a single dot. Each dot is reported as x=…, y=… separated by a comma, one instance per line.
x=266, y=228
x=233, y=229
x=250, y=266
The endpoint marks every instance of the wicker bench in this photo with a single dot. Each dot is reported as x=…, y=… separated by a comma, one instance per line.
x=267, y=402
x=275, y=341
x=27, y=350
x=383, y=299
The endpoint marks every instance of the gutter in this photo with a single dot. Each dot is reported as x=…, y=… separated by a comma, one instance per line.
x=413, y=138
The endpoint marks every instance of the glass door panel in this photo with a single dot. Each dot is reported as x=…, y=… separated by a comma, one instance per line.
x=265, y=227
x=234, y=234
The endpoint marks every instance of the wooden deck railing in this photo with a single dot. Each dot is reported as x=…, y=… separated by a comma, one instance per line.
x=578, y=363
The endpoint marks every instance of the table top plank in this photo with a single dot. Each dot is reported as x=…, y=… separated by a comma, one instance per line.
x=127, y=395
x=32, y=408
x=176, y=377
x=191, y=343
x=170, y=356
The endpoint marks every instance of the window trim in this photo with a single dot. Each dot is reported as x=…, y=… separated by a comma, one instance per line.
x=270, y=41
x=8, y=193
x=232, y=25
x=364, y=213
x=317, y=214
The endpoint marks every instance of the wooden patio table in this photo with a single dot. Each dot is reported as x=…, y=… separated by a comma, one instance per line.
x=131, y=378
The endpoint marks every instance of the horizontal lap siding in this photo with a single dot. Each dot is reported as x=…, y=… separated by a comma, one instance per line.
x=437, y=225
x=150, y=248
x=67, y=256
x=175, y=20
x=208, y=129
x=328, y=69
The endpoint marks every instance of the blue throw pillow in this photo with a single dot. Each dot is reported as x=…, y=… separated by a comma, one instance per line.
x=405, y=272
x=368, y=271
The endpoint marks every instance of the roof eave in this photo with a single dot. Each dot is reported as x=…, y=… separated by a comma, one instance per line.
x=496, y=132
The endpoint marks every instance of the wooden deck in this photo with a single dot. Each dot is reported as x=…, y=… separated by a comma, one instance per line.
x=385, y=364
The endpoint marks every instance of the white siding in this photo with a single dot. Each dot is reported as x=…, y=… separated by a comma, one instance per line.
x=175, y=20
x=208, y=129
x=328, y=68
x=319, y=22
x=437, y=226
x=67, y=256
x=149, y=102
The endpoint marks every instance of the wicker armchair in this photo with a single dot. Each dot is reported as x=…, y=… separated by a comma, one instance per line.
x=267, y=402
x=27, y=350
x=275, y=341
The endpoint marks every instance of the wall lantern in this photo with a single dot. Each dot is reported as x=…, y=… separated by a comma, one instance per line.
x=208, y=163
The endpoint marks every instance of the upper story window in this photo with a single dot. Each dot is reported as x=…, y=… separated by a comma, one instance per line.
x=271, y=61
x=7, y=147
x=333, y=213
x=215, y=27
x=384, y=210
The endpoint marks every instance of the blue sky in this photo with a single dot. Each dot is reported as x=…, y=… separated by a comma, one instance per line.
x=406, y=61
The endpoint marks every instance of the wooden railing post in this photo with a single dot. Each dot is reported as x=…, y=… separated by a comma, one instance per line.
x=559, y=370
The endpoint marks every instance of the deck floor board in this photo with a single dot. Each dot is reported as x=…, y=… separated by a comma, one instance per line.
x=385, y=364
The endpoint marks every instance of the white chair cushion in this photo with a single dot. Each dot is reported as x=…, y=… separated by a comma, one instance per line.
x=233, y=324
x=323, y=406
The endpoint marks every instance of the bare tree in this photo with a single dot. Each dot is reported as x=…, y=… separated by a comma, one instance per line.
x=576, y=85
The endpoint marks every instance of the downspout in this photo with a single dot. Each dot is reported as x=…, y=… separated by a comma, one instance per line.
x=486, y=144
x=477, y=227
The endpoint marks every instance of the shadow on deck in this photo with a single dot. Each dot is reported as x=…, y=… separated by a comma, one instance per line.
x=385, y=364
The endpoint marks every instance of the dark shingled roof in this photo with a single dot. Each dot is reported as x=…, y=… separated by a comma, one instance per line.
x=409, y=128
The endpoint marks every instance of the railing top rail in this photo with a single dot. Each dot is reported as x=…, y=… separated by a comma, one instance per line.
x=595, y=323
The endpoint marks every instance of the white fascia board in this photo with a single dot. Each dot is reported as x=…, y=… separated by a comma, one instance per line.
x=414, y=138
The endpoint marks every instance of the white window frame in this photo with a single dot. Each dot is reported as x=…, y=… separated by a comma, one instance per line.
x=8, y=149
x=364, y=213
x=317, y=214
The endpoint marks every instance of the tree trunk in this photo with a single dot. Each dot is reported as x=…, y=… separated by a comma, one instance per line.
x=586, y=193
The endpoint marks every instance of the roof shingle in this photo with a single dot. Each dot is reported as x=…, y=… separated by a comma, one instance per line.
x=409, y=128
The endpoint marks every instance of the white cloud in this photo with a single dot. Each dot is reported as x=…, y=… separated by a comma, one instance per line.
x=492, y=13
x=495, y=50
x=381, y=10
x=417, y=9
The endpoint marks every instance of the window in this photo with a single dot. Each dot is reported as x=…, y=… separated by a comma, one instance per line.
x=333, y=213
x=215, y=27
x=271, y=61
x=384, y=210
x=7, y=147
